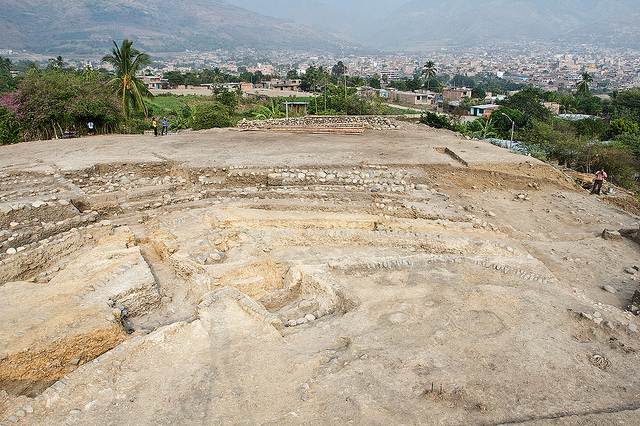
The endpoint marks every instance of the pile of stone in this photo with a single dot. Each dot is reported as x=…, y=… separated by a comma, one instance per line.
x=316, y=123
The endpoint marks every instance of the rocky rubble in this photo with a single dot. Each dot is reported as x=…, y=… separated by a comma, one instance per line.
x=311, y=122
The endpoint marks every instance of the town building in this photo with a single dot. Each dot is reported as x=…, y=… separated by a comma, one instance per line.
x=155, y=82
x=455, y=94
x=483, y=110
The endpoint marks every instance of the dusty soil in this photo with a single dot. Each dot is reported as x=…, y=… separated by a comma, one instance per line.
x=403, y=276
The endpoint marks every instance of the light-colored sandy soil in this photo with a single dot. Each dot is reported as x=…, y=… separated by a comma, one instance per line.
x=403, y=276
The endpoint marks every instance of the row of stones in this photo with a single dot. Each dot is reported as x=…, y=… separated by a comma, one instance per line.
x=25, y=265
x=94, y=185
x=375, y=122
x=41, y=186
x=43, y=190
x=596, y=315
x=59, y=237
x=311, y=198
x=53, y=202
x=37, y=232
x=104, y=281
x=446, y=258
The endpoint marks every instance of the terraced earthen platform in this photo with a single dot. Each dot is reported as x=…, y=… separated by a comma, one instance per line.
x=402, y=275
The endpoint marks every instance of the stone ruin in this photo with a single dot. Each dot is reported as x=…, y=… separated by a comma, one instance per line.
x=119, y=270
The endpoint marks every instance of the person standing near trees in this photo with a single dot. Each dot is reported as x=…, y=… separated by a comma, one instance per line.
x=164, y=127
x=601, y=175
x=90, y=124
x=155, y=126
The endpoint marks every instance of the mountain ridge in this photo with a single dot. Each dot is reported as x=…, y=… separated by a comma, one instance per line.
x=84, y=26
x=87, y=27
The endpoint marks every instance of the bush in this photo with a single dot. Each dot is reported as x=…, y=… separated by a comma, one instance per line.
x=438, y=121
x=621, y=126
x=10, y=128
x=138, y=126
x=209, y=115
x=52, y=101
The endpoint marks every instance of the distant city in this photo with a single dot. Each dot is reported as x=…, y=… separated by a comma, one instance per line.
x=543, y=65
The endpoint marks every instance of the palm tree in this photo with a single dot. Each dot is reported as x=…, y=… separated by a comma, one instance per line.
x=131, y=90
x=57, y=62
x=429, y=71
x=583, y=85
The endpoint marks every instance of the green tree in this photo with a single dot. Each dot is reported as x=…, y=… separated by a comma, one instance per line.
x=192, y=79
x=209, y=115
x=292, y=75
x=583, y=84
x=7, y=82
x=593, y=128
x=463, y=81
x=429, y=71
x=374, y=81
x=175, y=78
x=550, y=140
x=627, y=105
x=5, y=64
x=478, y=93
x=620, y=126
x=619, y=162
x=526, y=101
x=229, y=100
x=309, y=79
x=631, y=141
x=130, y=90
x=25, y=66
x=502, y=124
x=217, y=80
x=437, y=121
x=57, y=62
x=246, y=77
x=339, y=69
x=482, y=128
x=48, y=102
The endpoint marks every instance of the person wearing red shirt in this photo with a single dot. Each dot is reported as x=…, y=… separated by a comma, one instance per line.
x=601, y=175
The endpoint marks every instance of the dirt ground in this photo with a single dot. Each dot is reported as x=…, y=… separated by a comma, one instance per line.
x=406, y=276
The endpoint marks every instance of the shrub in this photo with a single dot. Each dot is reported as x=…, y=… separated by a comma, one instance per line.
x=51, y=101
x=138, y=126
x=621, y=126
x=209, y=115
x=434, y=120
x=10, y=127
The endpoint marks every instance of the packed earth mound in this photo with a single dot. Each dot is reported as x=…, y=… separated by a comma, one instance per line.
x=394, y=275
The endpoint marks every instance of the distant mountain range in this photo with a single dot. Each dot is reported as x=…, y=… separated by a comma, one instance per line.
x=88, y=26
x=420, y=23
x=84, y=27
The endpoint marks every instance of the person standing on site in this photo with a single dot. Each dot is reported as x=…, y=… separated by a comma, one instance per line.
x=164, y=127
x=155, y=126
x=601, y=175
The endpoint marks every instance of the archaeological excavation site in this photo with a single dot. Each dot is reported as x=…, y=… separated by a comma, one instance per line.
x=370, y=272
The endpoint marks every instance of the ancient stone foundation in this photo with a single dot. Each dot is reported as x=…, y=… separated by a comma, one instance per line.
x=160, y=292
